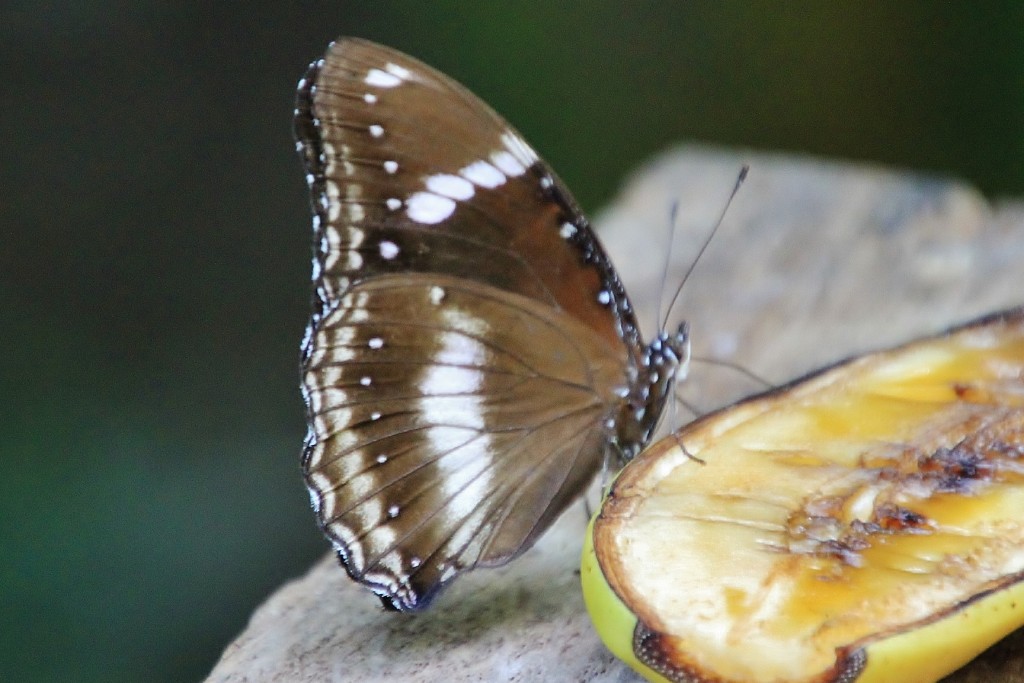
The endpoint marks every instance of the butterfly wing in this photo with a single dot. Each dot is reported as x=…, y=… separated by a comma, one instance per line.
x=469, y=338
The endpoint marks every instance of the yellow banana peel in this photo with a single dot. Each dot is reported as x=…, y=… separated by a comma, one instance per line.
x=865, y=523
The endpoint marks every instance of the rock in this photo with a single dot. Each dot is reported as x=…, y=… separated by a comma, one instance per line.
x=815, y=260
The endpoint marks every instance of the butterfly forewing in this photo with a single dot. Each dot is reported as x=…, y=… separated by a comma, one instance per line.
x=412, y=172
x=469, y=343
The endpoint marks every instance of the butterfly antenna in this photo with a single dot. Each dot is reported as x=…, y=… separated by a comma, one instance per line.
x=677, y=400
x=734, y=366
x=673, y=214
x=690, y=408
x=693, y=264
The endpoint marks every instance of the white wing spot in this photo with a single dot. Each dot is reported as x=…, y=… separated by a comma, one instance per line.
x=378, y=537
x=522, y=151
x=382, y=79
x=460, y=386
x=331, y=200
x=429, y=208
x=381, y=459
x=354, y=260
x=388, y=250
x=398, y=70
x=352, y=202
x=567, y=230
x=376, y=130
x=393, y=204
x=509, y=165
x=483, y=174
x=393, y=511
x=461, y=346
x=546, y=182
x=452, y=186
x=451, y=401
x=355, y=237
x=327, y=157
x=370, y=98
x=437, y=295
x=604, y=296
x=319, y=492
x=374, y=416
x=415, y=562
x=390, y=167
x=330, y=245
x=375, y=343
x=366, y=381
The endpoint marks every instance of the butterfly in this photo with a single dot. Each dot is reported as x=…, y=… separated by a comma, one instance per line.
x=472, y=358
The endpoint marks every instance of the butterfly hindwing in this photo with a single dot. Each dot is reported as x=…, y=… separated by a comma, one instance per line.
x=436, y=445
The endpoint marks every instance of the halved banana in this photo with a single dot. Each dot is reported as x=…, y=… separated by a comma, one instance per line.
x=865, y=523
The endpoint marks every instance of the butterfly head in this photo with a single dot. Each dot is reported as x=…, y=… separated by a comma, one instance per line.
x=678, y=345
x=665, y=361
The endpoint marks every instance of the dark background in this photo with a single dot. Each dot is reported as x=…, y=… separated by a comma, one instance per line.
x=155, y=257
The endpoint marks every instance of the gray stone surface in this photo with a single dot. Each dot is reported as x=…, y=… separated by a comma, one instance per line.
x=816, y=260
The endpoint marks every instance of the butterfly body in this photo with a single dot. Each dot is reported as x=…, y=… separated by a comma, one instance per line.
x=472, y=355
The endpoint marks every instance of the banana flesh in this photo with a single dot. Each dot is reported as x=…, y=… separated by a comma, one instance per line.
x=865, y=523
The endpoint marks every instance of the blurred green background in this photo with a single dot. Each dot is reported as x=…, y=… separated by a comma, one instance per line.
x=154, y=262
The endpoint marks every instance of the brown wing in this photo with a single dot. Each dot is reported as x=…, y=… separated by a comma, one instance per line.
x=450, y=426
x=411, y=172
x=469, y=339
